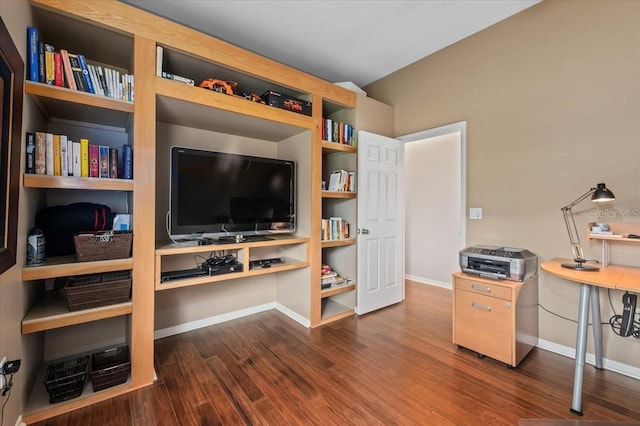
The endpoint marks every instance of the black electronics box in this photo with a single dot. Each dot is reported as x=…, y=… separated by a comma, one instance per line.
x=279, y=100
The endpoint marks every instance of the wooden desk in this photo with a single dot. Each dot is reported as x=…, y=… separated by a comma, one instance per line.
x=625, y=278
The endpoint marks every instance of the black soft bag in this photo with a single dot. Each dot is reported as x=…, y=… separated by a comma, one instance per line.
x=60, y=223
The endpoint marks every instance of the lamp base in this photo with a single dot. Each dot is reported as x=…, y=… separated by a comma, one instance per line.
x=579, y=266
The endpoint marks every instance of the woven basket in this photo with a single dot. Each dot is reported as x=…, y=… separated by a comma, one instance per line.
x=110, y=367
x=65, y=380
x=85, y=292
x=103, y=245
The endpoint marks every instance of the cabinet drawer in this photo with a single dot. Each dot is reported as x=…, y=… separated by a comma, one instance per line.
x=488, y=289
x=484, y=324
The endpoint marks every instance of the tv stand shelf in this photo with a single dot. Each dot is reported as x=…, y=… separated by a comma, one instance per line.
x=243, y=254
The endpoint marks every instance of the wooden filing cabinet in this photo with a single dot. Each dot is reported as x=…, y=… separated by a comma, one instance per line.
x=498, y=319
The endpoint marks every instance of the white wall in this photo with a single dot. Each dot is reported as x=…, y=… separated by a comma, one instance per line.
x=432, y=206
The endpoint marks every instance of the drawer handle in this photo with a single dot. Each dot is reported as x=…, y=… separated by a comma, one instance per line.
x=481, y=306
x=482, y=288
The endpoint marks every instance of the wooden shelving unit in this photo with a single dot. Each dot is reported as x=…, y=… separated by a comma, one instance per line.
x=126, y=37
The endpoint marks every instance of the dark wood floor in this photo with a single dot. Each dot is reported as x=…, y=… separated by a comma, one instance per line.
x=396, y=366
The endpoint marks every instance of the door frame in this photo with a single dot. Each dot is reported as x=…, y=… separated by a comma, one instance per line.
x=444, y=130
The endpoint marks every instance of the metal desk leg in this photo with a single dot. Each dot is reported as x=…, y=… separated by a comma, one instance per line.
x=597, y=325
x=581, y=348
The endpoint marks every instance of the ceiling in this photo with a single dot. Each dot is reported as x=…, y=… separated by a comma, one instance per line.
x=357, y=41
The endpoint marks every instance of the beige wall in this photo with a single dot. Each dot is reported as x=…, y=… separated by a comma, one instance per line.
x=550, y=97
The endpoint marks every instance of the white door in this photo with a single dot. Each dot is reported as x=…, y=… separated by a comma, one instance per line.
x=380, y=240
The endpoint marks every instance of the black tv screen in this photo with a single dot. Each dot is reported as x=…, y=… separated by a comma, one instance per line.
x=216, y=194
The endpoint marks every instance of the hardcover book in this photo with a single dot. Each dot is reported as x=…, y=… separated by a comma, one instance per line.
x=84, y=157
x=94, y=161
x=64, y=165
x=104, y=161
x=85, y=73
x=127, y=162
x=49, y=64
x=48, y=153
x=58, y=73
x=57, y=157
x=77, y=72
x=113, y=163
x=68, y=72
x=33, y=43
x=40, y=153
x=77, y=159
x=30, y=165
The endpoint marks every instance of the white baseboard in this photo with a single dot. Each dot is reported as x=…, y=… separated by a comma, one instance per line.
x=19, y=422
x=428, y=281
x=217, y=319
x=607, y=364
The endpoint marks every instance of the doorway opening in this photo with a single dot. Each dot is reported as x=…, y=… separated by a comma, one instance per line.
x=435, y=203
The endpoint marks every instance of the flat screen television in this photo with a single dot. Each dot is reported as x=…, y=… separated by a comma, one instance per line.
x=230, y=197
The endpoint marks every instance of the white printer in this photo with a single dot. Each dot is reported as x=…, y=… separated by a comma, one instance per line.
x=508, y=263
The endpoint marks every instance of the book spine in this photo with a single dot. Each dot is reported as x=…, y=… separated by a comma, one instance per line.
x=30, y=164
x=84, y=157
x=94, y=80
x=42, y=73
x=76, y=161
x=85, y=74
x=64, y=164
x=104, y=161
x=113, y=163
x=59, y=74
x=94, y=160
x=127, y=162
x=69, y=157
x=40, y=153
x=68, y=72
x=33, y=43
x=49, y=154
x=57, y=163
x=77, y=72
x=50, y=65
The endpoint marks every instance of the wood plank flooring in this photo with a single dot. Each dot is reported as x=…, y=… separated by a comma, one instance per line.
x=396, y=366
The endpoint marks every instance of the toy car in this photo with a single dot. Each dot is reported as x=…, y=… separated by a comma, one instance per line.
x=253, y=98
x=292, y=105
x=220, y=86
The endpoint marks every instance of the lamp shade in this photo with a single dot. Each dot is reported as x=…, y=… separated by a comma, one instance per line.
x=602, y=194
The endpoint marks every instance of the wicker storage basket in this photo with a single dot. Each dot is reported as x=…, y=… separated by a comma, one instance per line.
x=66, y=379
x=110, y=367
x=92, y=291
x=103, y=245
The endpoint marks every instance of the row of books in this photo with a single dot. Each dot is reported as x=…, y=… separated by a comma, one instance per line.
x=334, y=228
x=65, y=69
x=341, y=180
x=57, y=155
x=336, y=131
x=160, y=73
x=331, y=278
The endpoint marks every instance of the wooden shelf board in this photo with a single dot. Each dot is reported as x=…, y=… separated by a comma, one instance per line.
x=288, y=265
x=338, y=194
x=38, y=407
x=63, y=266
x=337, y=290
x=63, y=103
x=332, y=311
x=192, y=106
x=69, y=182
x=167, y=249
x=49, y=313
x=338, y=243
x=335, y=146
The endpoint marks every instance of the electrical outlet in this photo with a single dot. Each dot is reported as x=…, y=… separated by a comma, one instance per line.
x=475, y=213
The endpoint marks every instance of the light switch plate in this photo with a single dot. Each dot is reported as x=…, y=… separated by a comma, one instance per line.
x=475, y=213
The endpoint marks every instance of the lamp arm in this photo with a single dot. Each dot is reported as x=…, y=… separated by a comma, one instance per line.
x=580, y=198
x=574, y=237
x=572, y=230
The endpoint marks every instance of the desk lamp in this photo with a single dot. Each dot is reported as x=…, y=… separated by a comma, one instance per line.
x=598, y=194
